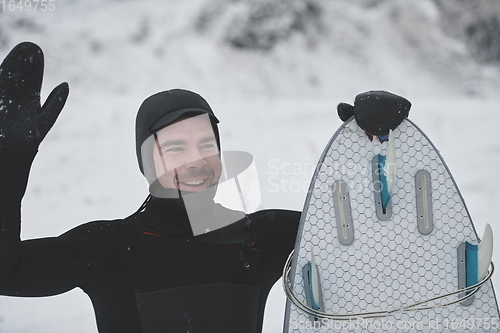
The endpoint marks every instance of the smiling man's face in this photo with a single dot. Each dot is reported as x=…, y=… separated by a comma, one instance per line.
x=186, y=155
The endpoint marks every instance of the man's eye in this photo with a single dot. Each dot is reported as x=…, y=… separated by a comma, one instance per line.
x=173, y=150
x=208, y=146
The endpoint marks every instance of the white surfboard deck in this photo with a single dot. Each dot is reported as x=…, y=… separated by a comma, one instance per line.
x=388, y=264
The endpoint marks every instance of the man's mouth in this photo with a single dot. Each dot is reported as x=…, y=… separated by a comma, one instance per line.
x=193, y=182
x=196, y=184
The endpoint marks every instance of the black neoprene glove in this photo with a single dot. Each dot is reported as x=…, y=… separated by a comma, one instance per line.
x=23, y=121
x=23, y=125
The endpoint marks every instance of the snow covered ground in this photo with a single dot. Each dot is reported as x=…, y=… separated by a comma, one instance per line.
x=278, y=105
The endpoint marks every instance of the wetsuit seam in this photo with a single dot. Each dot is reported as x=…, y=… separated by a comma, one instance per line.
x=235, y=245
x=10, y=201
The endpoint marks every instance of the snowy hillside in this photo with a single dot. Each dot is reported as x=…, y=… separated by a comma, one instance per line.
x=263, y=49
x=273, y=72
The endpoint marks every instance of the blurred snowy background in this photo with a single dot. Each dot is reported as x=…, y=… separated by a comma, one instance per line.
x=273, y=71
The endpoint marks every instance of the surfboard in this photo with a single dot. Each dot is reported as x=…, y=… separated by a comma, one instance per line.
x=372, y=256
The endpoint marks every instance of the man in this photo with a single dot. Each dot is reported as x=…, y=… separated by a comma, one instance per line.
x=149, y=272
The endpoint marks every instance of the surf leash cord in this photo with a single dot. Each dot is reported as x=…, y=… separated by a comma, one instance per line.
x=294, y=298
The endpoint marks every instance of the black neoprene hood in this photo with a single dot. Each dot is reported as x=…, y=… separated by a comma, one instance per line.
x=163, y=108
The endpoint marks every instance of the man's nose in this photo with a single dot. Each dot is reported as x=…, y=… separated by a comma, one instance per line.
x=195, y=159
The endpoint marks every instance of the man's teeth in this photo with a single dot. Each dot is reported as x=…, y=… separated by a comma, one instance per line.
x=194, y=182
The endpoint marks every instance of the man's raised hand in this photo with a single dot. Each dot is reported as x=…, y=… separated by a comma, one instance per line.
x=24, y=122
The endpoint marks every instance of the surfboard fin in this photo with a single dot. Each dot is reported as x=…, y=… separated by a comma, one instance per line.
x=390, y=163
x=312, y=284
x=386, y=195
x=387, y=172
x=485, y=252
x=478, y=257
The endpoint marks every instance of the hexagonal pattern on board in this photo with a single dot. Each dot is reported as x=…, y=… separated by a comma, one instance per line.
x=389, y=264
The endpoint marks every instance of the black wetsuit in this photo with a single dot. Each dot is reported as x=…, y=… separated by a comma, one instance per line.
x=147, y=273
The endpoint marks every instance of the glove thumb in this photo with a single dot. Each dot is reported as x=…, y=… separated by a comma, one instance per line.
x=45, y=119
